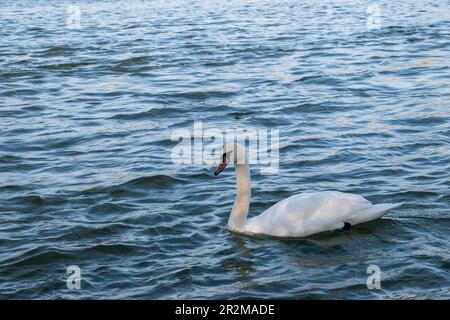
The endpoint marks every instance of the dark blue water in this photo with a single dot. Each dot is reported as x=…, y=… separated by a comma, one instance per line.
x=86, y=116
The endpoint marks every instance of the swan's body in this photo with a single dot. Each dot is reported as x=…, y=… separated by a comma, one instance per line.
x=300, y=215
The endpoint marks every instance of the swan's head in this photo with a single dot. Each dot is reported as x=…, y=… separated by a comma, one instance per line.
x=231, y=152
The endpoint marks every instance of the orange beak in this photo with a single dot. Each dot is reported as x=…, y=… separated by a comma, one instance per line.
x=221, y=166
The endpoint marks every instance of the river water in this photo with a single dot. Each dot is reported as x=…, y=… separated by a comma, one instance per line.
x=91, y=92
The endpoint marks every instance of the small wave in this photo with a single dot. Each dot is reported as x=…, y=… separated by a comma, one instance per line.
x=156, y=181
x=114, y=248
x=271, y=122
x=12, y=188
x=34, y=108
x=35, y=200
x=139, y=60
x=413, y=194
x=109, y=207
x=134, y=187
x=62, y=143
x=83, y=232
x=36, y=256
x=68, y=66
x=219, y=63
x=16, y=74
x=152, y=113
x=201, y=95
x=57, y=51
x=20, y=92
x=309, y=78
x=9, y=159
x=242, y=114
x=423, y=121
x=161, y=230
x=315, y=107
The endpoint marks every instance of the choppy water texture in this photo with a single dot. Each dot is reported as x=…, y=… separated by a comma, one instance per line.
x=87, y=114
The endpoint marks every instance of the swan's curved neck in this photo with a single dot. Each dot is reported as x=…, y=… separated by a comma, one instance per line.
x=238, y=217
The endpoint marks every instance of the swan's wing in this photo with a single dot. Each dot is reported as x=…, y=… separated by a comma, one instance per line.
x=373, y=212
x=305, y=214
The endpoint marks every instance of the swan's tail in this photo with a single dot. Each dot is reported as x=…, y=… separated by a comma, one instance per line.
x=374, y=212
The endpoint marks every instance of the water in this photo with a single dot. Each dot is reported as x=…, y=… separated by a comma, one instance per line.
x=87, y=114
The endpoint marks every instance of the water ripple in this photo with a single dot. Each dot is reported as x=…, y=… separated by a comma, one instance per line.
x=86, y=176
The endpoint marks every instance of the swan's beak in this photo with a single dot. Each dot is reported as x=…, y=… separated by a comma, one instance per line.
x=220, y=168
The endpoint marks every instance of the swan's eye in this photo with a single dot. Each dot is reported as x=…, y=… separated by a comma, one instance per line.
x=224, y=158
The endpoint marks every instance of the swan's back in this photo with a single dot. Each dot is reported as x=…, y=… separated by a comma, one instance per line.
x=305, y=214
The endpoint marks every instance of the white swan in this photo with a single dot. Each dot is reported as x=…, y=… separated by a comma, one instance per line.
x=300, y=215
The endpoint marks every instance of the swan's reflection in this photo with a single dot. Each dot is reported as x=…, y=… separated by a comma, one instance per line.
x=241, y=260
